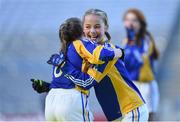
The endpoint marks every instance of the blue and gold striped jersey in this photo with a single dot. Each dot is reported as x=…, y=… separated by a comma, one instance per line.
x=114, y=90
x=69, y=75
x=139, y=60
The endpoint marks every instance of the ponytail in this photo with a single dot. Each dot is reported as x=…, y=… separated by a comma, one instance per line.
x=155, y=50
x=108, y=35
x=69, y=31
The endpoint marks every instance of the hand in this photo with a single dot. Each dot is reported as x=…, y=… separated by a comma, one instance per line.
x=130, y=34
x=40, y=86
x=56, y=59
x=119, y=53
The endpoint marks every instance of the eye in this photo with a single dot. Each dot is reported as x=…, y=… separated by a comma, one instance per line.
x=97, y=26
x=135, y=20
x=87, y=27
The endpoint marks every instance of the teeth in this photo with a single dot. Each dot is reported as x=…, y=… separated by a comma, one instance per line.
x=92, y=37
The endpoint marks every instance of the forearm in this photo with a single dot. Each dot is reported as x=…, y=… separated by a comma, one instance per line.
x=86, y=83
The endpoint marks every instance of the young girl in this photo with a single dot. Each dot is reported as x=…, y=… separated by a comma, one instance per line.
x=141, y=51
x=117, y=95
x=66, y=100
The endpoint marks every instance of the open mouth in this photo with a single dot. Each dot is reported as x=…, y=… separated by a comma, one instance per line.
x=92, y=37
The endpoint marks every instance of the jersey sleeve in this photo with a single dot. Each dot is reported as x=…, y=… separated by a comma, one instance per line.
x=79, y=78
x=95, y=54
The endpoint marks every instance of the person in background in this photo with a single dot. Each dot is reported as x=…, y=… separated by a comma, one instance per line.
x=140, y=54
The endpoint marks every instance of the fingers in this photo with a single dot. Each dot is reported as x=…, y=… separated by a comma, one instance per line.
x=40, y=82
x=51, y=58
x=38, y=88
x=32, y=80
x=36, y=83
x=49, y=61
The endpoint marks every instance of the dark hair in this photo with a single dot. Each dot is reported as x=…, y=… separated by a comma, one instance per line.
x=143, y=30
x=155, y=50
x=69, y=31
x=102, y=14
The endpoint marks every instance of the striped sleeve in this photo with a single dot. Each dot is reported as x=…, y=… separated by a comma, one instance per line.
x=95, y=54
x=79, y=78
x=84, y=80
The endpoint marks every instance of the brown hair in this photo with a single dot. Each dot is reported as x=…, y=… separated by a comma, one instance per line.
x=69, y=31
x=143, y=30
x=102, y=14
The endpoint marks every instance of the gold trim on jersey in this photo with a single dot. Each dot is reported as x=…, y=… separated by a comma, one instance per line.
x=146, y=73
x=127, y=102
x=86, y=92
x=86, y=55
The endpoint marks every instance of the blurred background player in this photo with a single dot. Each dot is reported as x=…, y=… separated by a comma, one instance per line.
x=140, y=54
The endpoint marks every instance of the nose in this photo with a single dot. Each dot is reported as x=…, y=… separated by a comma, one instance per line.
x=128, y=24
x=92, y=30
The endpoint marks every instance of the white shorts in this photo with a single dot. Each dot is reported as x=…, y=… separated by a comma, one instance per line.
x=150, y=93
x=67, y=105
x=137, y=115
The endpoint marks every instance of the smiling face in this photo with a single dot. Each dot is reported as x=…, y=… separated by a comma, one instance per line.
x=131, y=21
x=94, y=27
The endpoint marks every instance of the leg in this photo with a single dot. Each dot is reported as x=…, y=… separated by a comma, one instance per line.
x=137, y=115
x=49, y=103
x=73, y=107
x=152, y=116
x=154, y=100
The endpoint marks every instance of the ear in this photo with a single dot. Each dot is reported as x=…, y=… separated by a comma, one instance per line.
x=83, y=34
